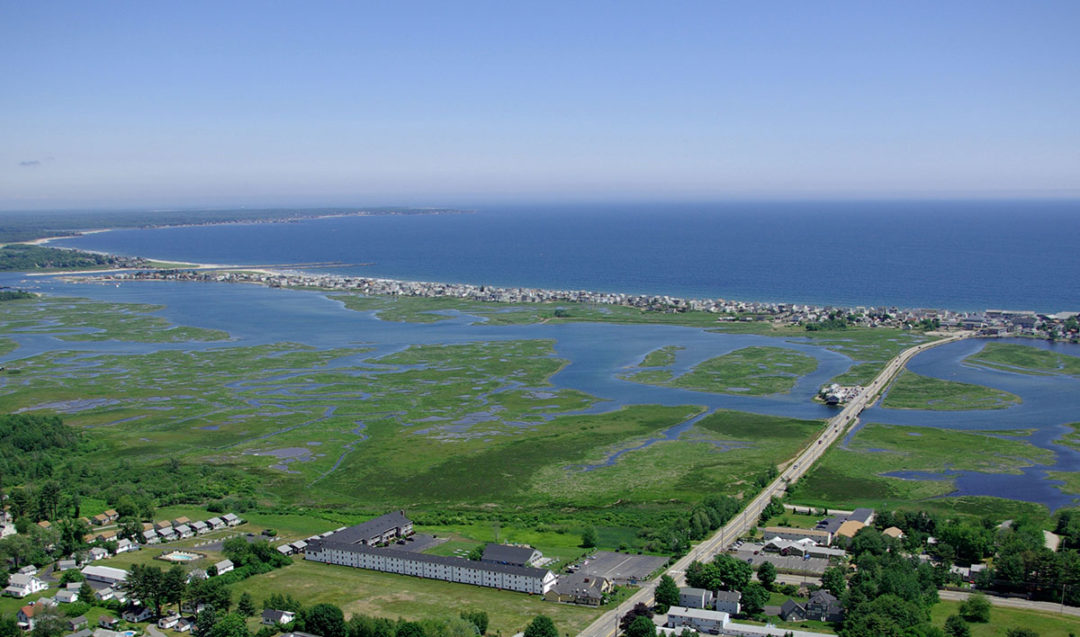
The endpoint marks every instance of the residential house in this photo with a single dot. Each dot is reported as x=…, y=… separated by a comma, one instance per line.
x=77, y=623
x=230, y=519
x=168, y=622
x=29, y=569
x=85, y=632
x=66, y=565
x=162, y=525
x=108, y=622
x=728, y=602
x=98, y=553
x=200, y=527
x=184, y=531
x=703, y=621
x=124, y=545
x=380, y=530
x=99, y=519
x=216, y=523
x=224, y=566
x=168, y=535
x=822, y=606
x=299, y=546
x=695, y=598
x=112, y=515
x=286, y=549
x=45, y=524
x=866, y=516
x=578, y=588
x=25, y=617
x=20, y=585
x=104, y=632
x=181, y=521
x=894, y=532
x=184, y=625
x=150, y=536
x=196, y=574
x=136, y=613
x=272, y=617
x=67, y=596
x=104, y=595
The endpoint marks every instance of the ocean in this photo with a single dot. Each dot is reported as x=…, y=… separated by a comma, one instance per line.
x=963, y=255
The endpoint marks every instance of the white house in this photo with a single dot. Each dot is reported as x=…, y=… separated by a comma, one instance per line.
x=216, y=523
x=98, y=553
x=224, y=566
x=67, y=596
x=124, y=545
x=272, y=617
x=200, y=527
x=184, y=531
x=21, y=585
x=231, y=519
x=703, y=621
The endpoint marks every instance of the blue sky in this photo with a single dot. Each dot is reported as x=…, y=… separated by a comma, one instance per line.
x=321, y=103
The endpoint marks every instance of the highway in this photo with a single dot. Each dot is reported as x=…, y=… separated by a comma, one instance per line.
x=607, y=624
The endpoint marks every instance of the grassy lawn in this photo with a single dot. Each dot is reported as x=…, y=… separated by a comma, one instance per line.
x=1002, y=619
x=913, y=391
x=389, y=595
x=852, y=476
x=1025, y=360
x=794, y=520
x=752, y=371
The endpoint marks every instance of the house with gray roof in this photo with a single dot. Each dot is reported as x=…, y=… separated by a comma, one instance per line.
x=690, y=597
x=728, y=602
x=380, y=530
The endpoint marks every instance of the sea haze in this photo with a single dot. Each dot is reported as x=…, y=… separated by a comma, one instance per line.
x=959, y=255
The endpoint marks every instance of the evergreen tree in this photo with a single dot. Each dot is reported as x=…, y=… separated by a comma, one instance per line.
x=246, y=605
x=541, y=626
x=667, y=593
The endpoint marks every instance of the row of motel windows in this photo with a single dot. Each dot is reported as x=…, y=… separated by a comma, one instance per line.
x=432, y=570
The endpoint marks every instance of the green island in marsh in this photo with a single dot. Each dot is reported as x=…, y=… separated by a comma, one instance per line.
x=852, y=476
x=914, y=391
x=753, y=371
x=661, y=357
x=1025, y=360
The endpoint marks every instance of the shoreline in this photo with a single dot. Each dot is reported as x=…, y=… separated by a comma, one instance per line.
x=988, y=323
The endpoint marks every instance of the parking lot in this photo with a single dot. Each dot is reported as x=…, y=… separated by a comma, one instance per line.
x=621, y=568
x=754, y=555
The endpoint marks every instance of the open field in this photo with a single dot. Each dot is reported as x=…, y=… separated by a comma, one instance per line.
x=1003, y=619
x=389, y=595
x=1025, y=360
x=752, y=370
x=853, y=476
x=914, y=391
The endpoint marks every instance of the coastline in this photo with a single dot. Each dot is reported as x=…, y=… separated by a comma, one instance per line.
x=990, y=323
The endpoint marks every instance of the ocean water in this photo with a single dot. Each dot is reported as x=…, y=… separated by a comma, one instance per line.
x=958, y=255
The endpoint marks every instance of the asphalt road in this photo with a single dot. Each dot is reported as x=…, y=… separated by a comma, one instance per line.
x=607, y=625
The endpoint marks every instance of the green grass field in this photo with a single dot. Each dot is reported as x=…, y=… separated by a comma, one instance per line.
x=662, y=357
x=1025, y=360
x=1003, y=619
x=389, y=595
x=913, y=391
x=752, y=371
x=852, y=476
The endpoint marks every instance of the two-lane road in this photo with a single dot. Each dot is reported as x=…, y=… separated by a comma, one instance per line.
x=607, y=624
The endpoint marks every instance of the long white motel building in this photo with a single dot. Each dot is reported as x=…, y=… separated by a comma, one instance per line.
x=450, y=569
